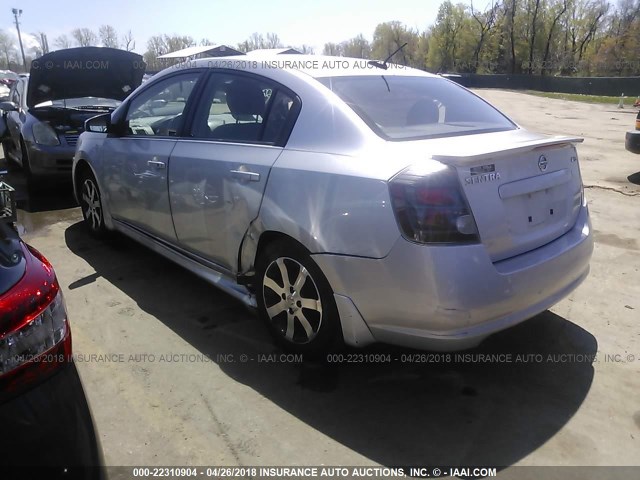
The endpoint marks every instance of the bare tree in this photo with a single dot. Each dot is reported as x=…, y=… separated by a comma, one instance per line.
x=560, y=12
x=486, y=21
x=161, y=44
x=333, y=49
x=258, y=41
x=255, y=41
x=585, y=23
x=7, y=48
x=62, y=41
x=178, y=42
x=273, y=41
x=358, y=47
x=512, y=34
x=109, y=36
x=306, y=49
x=532, y=37
x=156, y=46
x=84, y=37
x=42, y=47
x=128, y=42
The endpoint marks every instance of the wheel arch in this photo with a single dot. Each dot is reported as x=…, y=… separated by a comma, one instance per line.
x=258, y=237
x=81, y=166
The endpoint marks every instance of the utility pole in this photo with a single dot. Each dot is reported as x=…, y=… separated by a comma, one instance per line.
x=16, y=14
x=45, y=43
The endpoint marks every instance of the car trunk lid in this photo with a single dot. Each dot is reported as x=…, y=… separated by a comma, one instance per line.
x=523, y=194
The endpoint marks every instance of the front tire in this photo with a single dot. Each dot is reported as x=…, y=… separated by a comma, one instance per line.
x=296, y=301
x=91, y=204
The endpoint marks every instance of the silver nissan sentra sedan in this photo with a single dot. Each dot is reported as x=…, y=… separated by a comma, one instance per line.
x=344, y=199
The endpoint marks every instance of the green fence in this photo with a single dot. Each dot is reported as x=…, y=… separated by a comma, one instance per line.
x=611, y=86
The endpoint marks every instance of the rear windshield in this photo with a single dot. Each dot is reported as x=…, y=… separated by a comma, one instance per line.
x=411, y=108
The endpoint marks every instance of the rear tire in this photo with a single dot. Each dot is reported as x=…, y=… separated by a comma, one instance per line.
x=91, y=204
x=296, y=301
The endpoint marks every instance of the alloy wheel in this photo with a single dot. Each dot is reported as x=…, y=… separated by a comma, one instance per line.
x=92, y=209
x=292, y=300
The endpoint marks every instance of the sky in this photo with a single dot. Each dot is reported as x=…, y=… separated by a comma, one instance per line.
x=310, y=22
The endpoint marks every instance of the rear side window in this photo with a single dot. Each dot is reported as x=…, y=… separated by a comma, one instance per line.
x=412, y=108
x=239, y=108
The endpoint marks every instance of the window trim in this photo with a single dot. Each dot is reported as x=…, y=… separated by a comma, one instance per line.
x=275, y=86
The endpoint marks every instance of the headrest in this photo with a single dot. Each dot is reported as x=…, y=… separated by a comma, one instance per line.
x=245, y=98
x=423, y=111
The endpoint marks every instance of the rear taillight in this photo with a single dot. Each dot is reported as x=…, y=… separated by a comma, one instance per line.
x=35, y=340
x=430, y=207
x=578, y=199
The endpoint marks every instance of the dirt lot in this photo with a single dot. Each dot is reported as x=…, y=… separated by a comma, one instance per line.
x=158, y=400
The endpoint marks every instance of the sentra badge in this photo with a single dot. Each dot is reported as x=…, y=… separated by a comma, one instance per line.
x=482, y=174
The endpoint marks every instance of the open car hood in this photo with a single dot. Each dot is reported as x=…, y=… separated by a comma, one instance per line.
x=84, y=72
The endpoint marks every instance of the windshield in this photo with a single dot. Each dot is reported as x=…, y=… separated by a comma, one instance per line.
x=81, y=102
x=410, y=108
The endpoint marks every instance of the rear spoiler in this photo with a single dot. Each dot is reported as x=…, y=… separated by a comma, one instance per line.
x=489, y=151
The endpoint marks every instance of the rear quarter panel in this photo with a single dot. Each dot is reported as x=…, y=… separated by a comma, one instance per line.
x=328, y=204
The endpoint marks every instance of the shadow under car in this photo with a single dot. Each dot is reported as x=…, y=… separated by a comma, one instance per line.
x=418, y=408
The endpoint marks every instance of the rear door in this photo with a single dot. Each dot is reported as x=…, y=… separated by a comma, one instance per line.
x=218, y=176
x=136, y=164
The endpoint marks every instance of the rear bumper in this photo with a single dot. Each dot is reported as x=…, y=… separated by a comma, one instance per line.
x=632, y=141
x=50, y=425
x=450, y=297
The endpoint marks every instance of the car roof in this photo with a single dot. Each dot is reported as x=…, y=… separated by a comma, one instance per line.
x=317, y=66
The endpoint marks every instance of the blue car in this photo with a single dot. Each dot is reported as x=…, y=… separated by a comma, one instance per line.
x=47, y=109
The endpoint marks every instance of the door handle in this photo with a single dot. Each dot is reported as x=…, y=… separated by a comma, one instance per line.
x=246, y=175
x=157, y=164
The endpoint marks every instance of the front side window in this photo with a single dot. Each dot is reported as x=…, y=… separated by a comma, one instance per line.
x=243, y=109
x=158, y=110
x=416, y=107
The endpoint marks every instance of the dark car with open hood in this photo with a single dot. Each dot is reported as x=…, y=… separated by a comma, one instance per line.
x=47, y=109
x=47, y=428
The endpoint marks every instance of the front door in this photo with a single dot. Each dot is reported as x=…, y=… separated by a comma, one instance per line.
x=136, y=164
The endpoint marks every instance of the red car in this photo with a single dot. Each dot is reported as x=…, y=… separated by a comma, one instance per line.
x=45, y=418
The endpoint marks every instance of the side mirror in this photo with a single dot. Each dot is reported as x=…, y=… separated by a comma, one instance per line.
x=8, y=106
x=98, y=124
